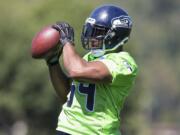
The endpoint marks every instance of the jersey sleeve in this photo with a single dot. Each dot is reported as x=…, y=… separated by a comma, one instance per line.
x=121, y=68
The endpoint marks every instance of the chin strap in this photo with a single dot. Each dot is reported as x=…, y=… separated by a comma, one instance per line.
x=100, y=52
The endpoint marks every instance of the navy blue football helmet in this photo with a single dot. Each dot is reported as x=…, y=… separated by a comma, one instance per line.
x=107, y=28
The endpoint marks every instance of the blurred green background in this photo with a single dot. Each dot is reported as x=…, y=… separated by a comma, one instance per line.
x=28, y=103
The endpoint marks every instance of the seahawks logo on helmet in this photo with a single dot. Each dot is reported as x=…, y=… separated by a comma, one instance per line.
x=122, y=21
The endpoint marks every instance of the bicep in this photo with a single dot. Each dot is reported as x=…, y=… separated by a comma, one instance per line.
x=95, y=71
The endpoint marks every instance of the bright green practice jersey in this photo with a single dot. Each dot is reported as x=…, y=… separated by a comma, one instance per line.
x=94, y=109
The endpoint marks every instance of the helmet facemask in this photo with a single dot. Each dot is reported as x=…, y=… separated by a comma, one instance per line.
x=100, y=39
x=92, y=36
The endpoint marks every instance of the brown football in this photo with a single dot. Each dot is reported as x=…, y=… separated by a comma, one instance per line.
x=44, y=41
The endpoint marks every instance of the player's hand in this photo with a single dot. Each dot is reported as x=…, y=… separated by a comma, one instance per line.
x=52, y=57
x=66, y=32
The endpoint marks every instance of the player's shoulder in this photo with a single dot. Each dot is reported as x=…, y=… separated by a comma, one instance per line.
x=121, y=56
x=122, y=62
x=117, y=58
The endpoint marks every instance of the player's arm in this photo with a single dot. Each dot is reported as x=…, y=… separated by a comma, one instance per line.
x=59, y=80
x=78, y=68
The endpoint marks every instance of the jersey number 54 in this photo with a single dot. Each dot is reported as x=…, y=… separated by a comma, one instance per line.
x=88, y=91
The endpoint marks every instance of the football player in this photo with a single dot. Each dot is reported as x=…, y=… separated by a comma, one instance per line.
x=101, y=80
